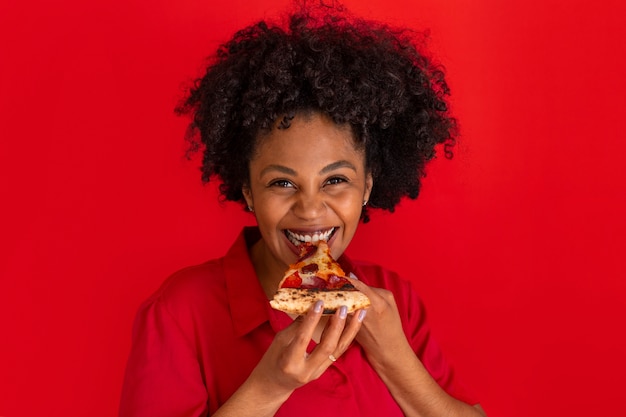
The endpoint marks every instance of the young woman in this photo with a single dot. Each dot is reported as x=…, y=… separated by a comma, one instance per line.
x=308, y=125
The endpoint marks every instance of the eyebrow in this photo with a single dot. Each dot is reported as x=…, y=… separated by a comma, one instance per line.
x=328, y=168
x=337, y=165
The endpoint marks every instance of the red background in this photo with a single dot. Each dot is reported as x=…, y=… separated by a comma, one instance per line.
x=519, y=240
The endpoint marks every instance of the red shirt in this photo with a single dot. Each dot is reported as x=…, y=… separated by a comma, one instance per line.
x=196, y=340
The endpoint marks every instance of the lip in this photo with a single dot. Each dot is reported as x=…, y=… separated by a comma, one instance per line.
x=293, y=248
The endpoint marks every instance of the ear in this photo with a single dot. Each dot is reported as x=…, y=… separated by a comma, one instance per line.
x=247, y=195
x=369, y=183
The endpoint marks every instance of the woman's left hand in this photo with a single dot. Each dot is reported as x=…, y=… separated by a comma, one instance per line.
x=381, y=334
x=390, y=354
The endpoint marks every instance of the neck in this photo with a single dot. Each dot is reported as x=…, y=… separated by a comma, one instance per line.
x=268, y=270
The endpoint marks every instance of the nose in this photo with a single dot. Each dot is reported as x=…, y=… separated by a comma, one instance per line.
x=309, y=205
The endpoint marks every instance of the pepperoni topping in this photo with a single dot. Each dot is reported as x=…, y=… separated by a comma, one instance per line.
x=316, y=269
x=306, y=251
x=335, y=282
x=310, y=269
x=293, y=281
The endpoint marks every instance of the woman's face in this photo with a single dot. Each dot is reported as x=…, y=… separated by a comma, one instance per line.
x=307, y=182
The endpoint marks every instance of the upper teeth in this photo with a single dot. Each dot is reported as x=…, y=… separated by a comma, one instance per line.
x=297, y=238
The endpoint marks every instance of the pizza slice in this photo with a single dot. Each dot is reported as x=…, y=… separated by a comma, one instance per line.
x=316, y=276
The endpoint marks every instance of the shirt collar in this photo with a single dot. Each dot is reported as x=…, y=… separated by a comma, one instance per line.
x=246, y=297
x=249, y=306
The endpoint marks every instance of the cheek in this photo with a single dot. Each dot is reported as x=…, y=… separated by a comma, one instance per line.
x=270, y=211
x=350, y=211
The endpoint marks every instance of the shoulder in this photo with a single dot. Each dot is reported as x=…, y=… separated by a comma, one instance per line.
x=204, y=291
x=188, y=291
x=209, y=274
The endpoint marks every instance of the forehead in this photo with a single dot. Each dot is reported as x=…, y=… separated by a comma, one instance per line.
x=310, y=132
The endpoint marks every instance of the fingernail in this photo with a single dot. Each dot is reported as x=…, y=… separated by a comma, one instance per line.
x=319, y=304
x=343, y=312
x=361, y=315
x=353, y=276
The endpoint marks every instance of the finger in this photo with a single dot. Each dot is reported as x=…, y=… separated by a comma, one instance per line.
x=331, y=348
x=376, y=295
x=351, y=329
x=361, y=286
x=337, y=336
x=300, y=332
x=304, y=326
x=335, y=326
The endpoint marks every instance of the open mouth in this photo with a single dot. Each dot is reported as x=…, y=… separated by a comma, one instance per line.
x=299, y=238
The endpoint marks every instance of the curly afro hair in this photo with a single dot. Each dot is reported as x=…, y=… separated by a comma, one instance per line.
x=367, y=74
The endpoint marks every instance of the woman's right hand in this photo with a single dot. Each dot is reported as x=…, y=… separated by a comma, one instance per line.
x=286, y=365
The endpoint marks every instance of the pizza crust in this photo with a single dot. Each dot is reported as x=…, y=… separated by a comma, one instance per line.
x=301, y=300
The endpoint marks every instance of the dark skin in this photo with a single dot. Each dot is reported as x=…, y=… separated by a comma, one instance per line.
x=287, y=366
x=319, y=182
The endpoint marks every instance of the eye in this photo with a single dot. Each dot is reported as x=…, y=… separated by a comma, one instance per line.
x=281, y=184
x=336, y=180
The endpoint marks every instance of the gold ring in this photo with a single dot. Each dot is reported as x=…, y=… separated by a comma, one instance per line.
x=332, y=358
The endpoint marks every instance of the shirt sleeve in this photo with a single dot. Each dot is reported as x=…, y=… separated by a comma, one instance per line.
x=163, y=375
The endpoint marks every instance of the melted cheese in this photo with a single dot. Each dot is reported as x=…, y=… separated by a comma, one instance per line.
x=326, y=265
